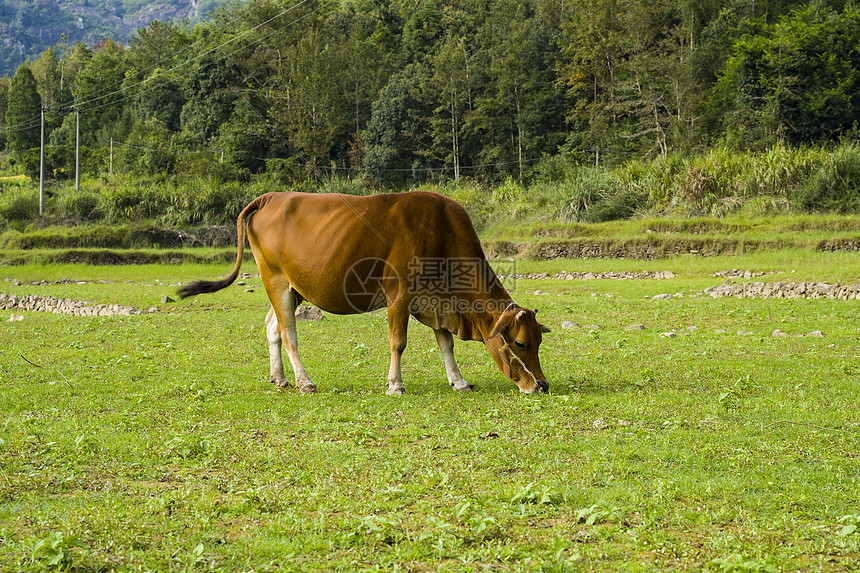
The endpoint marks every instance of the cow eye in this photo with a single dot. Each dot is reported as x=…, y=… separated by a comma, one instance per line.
x=519, y=344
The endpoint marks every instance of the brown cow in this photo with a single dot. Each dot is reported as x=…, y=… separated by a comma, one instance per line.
x=416, y=253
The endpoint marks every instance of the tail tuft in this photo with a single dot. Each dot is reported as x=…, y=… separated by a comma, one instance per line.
x=200, y=287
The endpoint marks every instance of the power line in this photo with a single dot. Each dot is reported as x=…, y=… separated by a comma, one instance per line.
x=337, y=168
x=198, y=57
x=221, y=58
x=30, y=123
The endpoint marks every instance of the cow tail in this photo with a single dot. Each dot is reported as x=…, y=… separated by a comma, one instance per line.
x=201, y=287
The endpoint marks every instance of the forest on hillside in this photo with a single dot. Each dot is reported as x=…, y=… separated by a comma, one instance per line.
x=404, y=91
x=28, y=27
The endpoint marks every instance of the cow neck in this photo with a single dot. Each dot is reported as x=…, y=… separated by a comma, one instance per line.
x=500, y=301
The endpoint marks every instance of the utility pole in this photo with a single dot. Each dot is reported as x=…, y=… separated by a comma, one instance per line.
x=42, y=166
x=77, y=148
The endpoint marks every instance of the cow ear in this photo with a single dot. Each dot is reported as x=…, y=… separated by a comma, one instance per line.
x=544, y=328
x=504, y=322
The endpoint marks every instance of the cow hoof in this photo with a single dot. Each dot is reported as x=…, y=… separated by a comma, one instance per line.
x=279, y=383
x=308, y=388
x=466, y=388
x=397, y=391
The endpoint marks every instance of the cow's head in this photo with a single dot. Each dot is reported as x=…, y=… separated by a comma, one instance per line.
x=514, y=343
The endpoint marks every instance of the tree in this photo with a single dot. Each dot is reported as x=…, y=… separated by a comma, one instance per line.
x=306, y=102
x=520, y=107
x=798, y=80
x=421, y=31
x=23, y=111
x=244, y=140
x=151, y=149
x=155, y=61
x=397, y=134
x=5, y=81
x=98, y=92
x=46, y=71
x=210, y=94
x=72, y=60
x=449, y=86
x=365, y=70
x=49, y=81
x=589, y=67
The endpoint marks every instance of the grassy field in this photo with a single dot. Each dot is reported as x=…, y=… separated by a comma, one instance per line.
x=154, y=443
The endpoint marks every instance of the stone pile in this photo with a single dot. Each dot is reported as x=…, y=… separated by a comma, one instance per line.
x=737, y=274
x=623, y=275
x=63, y=306
x=808, y=290
x=564, y=275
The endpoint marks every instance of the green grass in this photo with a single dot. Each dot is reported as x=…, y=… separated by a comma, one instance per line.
x=155, y=440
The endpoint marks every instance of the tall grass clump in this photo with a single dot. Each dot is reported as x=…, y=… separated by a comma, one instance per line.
x=656, y=178
x=780, y=170
x=129, y=200
x=71, y=206
x=596, y=195
x=19, y=205
x=833, y=185
x=200, y=203
x=587, y=187
x=347, y=185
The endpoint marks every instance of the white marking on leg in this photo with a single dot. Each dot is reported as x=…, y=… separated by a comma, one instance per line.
x=276, y=363
x=395, y=378
x=446, y=344
x=291, y=340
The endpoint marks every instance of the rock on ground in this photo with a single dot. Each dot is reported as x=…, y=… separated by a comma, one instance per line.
x=63, y=306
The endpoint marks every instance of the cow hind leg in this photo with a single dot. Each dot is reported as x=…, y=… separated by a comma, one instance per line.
x=285, y=313
x=446, y=344
x=276, y=363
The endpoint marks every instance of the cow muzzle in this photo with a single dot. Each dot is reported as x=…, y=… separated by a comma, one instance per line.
x=541, y=386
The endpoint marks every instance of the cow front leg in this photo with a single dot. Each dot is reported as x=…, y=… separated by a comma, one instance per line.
x=398, y=323
x=446, y=344
x=286, y=319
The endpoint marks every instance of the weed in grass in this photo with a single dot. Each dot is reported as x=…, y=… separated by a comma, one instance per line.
x=850, y=524
x=54, y=552
x=737, y=563
x=602, y=511
x=731, y=397
x=536, y=493
x=563, y=558
x=87, y=444
x=479, y=524
x=187, y=447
